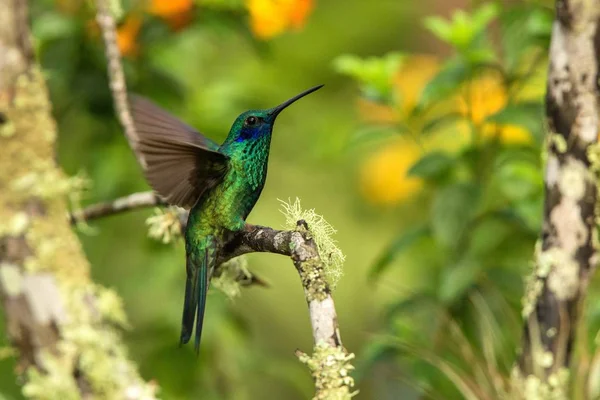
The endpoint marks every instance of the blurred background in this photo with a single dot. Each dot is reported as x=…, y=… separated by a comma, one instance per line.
x=423, y=150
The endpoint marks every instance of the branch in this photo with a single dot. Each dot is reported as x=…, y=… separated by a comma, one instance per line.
x=118, y=86
x=122, y=204
x=567, y=253
x=296, y=244
x=330, y=363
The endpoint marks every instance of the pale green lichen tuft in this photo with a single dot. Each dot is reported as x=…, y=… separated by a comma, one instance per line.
x=559, y=142
x=555, y=387
x=11, y=279
x=7, y=130
x=313, y=280
x=56, y=383
x=88, y=340
x=231, y=274
x=164, y=225
x=116, y=9
x=330, y=368
x=322, y=232
x=533, y=284
x=593, y=154
x=45, y=181
x=16, y=226
x=110, y=305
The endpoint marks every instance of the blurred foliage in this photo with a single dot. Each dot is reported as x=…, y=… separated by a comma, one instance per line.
x=432, y=178
x=462, y=137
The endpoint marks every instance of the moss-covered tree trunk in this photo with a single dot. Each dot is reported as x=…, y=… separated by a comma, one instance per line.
x=567, y=253
x=65, y=329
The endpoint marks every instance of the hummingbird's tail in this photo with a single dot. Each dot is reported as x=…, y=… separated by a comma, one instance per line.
x=199, y=267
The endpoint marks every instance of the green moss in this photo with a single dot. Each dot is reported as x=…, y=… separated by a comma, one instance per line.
x=330, y=368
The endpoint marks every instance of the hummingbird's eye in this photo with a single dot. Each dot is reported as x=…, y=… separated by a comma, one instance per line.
x=251, y=121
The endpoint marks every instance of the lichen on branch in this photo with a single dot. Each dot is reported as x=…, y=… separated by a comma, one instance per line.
x=322, y=232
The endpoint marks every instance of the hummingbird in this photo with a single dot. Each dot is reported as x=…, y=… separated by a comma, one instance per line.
x=219, y=184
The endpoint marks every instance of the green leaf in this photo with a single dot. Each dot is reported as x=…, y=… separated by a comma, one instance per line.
x=453, y=208
x=374, y=74
x=376, y=350
x=372, y=134
x=484, y=15
x=445, y=82
x=487, y=235
x=519, y=179
x=440, y=123
x=411, y=304
x=523, y=27
x=432, y=166
x=401, y=243
x=463, y=29
x=457, y=280
x=439, y=27
x=49, y=26
x=530, y=212
x=528, y=115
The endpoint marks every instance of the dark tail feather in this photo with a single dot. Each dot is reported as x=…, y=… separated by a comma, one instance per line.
x=201, y=299
x=196, y=288
x=190, y=302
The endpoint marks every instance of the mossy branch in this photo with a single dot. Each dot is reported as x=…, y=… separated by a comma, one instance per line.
x=567, y=253
x=330, y=364
x=66, y=331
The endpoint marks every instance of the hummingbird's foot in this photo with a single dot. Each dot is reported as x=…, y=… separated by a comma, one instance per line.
x=249, y=227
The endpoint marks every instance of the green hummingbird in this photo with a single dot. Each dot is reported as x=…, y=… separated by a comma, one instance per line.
x=219, y=184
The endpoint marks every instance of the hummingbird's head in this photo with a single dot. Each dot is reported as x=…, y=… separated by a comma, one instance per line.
x=258, y=124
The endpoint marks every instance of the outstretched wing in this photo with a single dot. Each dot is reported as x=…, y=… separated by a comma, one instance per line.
x=179, y=163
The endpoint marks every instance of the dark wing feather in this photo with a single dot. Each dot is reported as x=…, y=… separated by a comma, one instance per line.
x=179, y=163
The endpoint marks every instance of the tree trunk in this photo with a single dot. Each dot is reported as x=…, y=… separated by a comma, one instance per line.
x=65, y=328
x=567, y=253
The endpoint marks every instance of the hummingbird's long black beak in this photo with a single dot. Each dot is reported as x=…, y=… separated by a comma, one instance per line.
x=276, y=110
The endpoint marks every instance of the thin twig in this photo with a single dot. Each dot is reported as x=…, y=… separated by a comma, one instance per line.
x=118, y=86
x=122, y=204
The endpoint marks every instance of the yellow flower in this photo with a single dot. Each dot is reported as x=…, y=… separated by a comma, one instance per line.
x=269, y=18
x=409, y=82
x=483, y=97
x=383, y=177
x=414, y=74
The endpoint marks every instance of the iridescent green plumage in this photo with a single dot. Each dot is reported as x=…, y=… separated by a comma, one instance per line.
x=221, y=185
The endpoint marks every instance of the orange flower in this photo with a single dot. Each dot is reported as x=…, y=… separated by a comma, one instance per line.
x=176, y=13
x=383, y=177
x=127, y=36
x=269, y=18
